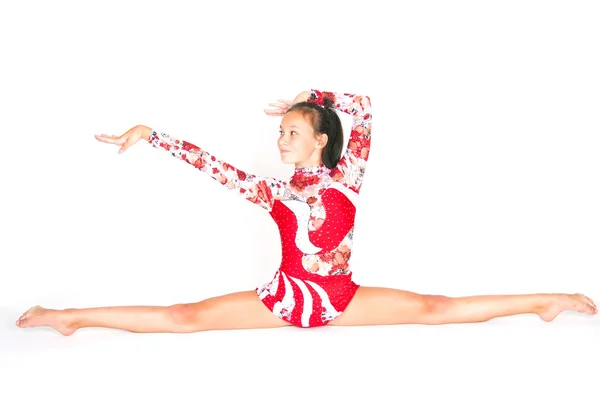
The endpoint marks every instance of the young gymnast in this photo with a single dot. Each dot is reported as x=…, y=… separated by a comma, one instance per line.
x=315, y=211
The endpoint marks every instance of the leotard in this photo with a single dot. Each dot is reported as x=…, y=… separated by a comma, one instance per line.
x=314, y=210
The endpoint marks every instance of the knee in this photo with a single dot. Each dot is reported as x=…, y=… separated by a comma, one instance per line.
x=436, y=304
x=182, y=314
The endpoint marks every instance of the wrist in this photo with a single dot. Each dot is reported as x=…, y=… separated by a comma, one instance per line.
x=145, y=132
x=302, y=97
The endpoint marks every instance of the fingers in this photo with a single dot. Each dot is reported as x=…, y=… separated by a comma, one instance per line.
x=274, y=113
x=126, y=145
x=110, y=139
x=124, y=141
x=280, y=108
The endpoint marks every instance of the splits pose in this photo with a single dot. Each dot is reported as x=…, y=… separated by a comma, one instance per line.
x=315, y=211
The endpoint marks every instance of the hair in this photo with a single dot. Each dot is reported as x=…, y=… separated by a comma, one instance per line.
x=324, y=120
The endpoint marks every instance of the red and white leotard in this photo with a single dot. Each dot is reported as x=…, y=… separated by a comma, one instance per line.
x=314, y=211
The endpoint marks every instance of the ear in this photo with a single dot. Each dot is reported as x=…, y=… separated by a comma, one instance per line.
x=322, y=140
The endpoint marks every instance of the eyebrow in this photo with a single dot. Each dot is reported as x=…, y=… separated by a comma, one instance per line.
x=291, y=126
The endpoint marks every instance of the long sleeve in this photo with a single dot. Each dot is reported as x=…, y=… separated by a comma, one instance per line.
x=259, y=190
x=354, y=159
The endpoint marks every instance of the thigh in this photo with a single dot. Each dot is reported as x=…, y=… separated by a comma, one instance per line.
x=241, y=310
x=385, y=306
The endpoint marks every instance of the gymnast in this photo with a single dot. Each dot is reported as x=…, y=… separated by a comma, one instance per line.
x=314, y=210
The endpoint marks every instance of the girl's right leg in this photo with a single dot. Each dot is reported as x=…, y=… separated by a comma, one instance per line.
x=242, y=310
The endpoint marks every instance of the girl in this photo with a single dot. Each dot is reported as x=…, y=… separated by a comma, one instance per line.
x=314, y=210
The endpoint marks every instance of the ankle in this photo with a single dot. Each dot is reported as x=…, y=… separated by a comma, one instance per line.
x=542, y=301
x=68, y=317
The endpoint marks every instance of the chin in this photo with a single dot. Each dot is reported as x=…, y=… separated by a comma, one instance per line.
x=285, y=160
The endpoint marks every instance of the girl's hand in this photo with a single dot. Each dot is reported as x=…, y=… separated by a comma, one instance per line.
x=130, y=137
x=302, y=97
x=279, y=109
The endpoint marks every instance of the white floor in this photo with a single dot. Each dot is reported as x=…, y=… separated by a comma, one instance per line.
x=511, y=357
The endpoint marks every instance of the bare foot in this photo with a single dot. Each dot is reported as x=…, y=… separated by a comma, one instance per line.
x=558, y=303
x=40, y=316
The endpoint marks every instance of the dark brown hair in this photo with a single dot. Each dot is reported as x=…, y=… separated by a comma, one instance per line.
x=325, y=120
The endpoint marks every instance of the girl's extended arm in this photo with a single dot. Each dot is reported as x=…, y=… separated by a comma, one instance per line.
x=260, y=190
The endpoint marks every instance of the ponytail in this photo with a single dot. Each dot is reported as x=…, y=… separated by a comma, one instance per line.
x=325, y=120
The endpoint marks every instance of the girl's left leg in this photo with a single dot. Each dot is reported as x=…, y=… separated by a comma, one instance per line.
x=386, y=306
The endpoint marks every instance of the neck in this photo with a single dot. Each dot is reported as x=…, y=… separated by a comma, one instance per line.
x=308, y=165
x=313, y=161
x=309, y=169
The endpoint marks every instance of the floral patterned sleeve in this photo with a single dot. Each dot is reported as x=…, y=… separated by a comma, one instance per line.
x=354, y=159
x=259, y=190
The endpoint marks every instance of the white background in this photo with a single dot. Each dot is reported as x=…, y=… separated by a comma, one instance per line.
x=483, y=179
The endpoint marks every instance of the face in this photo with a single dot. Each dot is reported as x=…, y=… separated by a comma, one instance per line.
x=298, y=142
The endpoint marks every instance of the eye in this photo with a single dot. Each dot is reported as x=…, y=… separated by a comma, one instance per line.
x=291, y=132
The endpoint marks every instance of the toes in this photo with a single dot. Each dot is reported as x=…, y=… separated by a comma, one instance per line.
x=591, y=310
x=584, y=304
x=586, y=308
x=589, y=301
x=586, y=300
x=23, y=318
